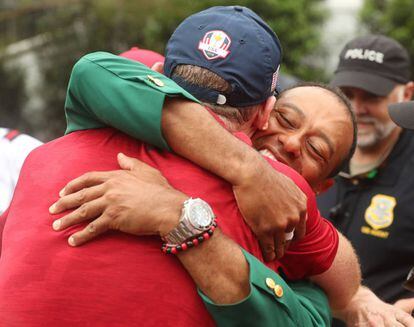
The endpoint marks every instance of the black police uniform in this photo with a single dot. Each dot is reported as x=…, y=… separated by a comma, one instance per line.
x=376, y=213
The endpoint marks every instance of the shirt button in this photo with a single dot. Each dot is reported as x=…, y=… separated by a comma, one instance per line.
x=156, y=81
x=355, y=181
x=270, y=283
x=278, y=291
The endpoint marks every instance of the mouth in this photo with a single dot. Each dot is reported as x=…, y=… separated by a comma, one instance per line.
x=274, y=155
x=267, y=153
x=364, y=124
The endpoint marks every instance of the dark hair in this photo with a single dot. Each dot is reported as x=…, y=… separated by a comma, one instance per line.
x=341, y=97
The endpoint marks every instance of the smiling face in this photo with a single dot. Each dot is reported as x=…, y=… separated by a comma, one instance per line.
x=371, y=111
x=309, y=130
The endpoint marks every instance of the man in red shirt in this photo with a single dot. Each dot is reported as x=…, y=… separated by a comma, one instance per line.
x=43, y=281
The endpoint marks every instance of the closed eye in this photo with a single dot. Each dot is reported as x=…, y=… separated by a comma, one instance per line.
x=284, y=121
x=316, y=151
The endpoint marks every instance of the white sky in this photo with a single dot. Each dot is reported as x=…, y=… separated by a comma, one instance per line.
x=340, y=28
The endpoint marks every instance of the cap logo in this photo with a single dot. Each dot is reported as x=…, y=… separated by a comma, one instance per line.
x=365, y=54
x=215, y=45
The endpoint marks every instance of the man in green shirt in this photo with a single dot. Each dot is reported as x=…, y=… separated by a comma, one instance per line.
x=302, y=303
x=83, y=120
x=83, y=86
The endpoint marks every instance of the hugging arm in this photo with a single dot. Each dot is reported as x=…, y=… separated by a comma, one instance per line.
x=232, y=283
x=218, y=265
x=107, y=90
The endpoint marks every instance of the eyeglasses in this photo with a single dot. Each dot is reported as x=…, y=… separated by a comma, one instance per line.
x=409, y=283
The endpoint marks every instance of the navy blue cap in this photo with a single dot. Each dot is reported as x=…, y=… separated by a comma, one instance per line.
x=237, y=45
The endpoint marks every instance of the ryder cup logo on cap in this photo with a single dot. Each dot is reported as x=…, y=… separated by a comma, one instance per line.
x=215, y=44
x=234, y=43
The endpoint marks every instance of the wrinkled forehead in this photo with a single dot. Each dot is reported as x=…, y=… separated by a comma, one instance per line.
x=321, y=110
x=315, y=102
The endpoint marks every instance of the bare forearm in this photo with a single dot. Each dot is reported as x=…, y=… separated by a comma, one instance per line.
x=219, y=269
x=192, y=132
x=342, y=280
x=366, y=309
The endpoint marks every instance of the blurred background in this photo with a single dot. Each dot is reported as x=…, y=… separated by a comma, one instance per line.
x=41, y=40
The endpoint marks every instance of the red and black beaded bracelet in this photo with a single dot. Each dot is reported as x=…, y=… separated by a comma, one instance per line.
x=173, y=249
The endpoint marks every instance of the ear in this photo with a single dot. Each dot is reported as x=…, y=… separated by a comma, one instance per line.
x=324, y=186
x=408, y=91
x=262, y=119
x=158, y=67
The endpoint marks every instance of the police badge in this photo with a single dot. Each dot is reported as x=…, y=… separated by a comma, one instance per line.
x=380, y=213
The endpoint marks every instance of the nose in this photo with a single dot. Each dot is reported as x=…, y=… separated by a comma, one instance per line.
x=291, y=144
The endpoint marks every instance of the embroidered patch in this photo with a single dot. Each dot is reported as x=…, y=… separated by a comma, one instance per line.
x=380, y=213
x=215, y=45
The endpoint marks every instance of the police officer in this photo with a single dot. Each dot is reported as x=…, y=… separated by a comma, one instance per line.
x=371, y=202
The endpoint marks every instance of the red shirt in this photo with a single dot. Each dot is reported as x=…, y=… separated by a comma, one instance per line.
x=118, y=279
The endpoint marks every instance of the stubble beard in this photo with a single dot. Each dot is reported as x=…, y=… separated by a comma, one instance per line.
x=373, y=139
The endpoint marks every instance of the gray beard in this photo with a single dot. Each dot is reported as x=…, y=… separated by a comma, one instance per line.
x=371, y=140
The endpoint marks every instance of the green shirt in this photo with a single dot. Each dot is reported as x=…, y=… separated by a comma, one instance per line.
x=297, y=303
x=108, y=90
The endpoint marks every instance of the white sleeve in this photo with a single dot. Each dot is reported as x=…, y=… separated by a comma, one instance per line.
x=21, y=146
x=6, y=178
x=13, y=153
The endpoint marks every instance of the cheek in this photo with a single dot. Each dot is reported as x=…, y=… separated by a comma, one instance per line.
x=308, y=169
x=380, y=113
x=311, y=170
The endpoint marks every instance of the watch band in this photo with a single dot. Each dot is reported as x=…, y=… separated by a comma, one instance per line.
x=189, y=226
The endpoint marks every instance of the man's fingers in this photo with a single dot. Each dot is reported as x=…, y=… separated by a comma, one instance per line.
x=280, y=242
x=75, y=200
x=94, y=229
x=86, y=180
x=300, y=229
x=125, y=162
x=135, y=165
x=268, y=248
x=86, y=212
x=129, y=163
x=405, y=319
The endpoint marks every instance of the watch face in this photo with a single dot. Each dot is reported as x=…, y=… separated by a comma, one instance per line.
x=200, y=214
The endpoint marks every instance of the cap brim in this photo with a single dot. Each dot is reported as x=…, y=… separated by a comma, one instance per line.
x=369, y=82
x=402, y=114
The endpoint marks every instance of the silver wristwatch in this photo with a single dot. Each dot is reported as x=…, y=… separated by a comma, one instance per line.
x=196, y=218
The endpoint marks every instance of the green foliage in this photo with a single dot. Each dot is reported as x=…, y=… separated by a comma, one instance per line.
x=11, y=106
x=90, y=25
x=394, y=18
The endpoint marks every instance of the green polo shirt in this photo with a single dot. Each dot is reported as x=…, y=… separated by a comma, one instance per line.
x=273, y=302
x=108, y=90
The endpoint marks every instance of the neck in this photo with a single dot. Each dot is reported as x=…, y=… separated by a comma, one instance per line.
x=366, y=156
x=234, y=126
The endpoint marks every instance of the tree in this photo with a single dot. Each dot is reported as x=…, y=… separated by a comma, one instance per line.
x=91, y=25
x=394, y=18
x=12, y=95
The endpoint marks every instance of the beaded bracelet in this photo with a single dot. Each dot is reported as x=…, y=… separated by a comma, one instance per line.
x=173, y=249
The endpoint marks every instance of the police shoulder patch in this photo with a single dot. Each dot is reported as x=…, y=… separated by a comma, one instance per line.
x=215, y=44
x=380, y=213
